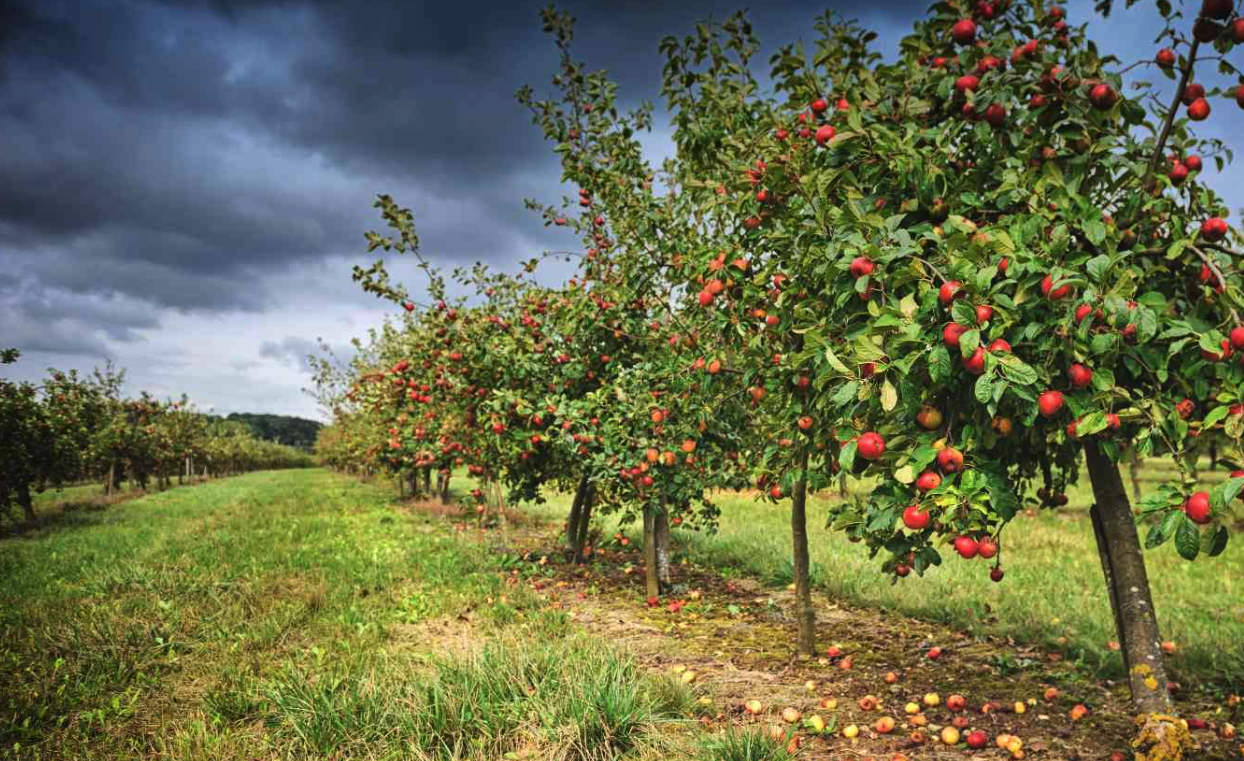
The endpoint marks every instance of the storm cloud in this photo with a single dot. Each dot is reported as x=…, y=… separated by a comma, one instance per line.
x=186, y=183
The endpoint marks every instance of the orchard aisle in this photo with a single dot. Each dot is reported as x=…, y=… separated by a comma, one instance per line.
x=303, y=614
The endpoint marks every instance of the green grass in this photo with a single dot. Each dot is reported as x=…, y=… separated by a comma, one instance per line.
x=1053, y=587
x=296, y=614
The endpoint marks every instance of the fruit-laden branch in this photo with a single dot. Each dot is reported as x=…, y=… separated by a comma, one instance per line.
x=1184, y=76
x=1222, y=281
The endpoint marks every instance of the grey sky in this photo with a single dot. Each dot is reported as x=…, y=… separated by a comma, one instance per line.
x=186, y=184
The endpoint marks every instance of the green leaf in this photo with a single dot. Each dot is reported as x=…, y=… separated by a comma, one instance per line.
x=1176, y=249
x=939, y=364
x=846, y=457
x=1015, y=370
x=1216, y=414
x=1218, y=542
x=969, y=342
x=1098, y=266
x=1160, y=532
x=984, y=389
x=1187, y=539
x=836, y=363
x=1095, y=230
x=889, y=396
x=1094, y=422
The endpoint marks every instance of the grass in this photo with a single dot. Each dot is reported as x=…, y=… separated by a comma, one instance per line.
x=1053, y=594
x=296, y=614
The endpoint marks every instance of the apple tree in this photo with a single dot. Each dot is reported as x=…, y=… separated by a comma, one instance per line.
x=993, y=271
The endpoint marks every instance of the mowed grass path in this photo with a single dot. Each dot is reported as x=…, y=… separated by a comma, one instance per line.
x=1053, y=594
x=297, y=614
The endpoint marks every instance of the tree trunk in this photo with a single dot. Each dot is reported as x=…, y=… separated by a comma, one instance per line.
x=585, y=523
x=650, y=555
x=805, y=616
x=111, y=484
x=443, y=486
x=572, y=521
x=401, y=487
x=27, y=504
x=1124, y=568
x=427, y=482
x=661, y=535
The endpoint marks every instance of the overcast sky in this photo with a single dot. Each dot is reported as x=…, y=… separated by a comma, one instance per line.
x=184, y=186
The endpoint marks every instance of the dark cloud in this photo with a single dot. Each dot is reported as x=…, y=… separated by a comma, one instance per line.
x=166, y=161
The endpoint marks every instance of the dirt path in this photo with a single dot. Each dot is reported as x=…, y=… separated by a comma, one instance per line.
x=737, y=638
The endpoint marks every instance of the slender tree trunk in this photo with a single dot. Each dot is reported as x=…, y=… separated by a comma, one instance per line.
x=650, y=554
x=585, y=523
x=443, y=486
x=26, y=503
x=805, y=615
x=572, y=521
x=661, y=534
x=1133, y=470
x=427, y=482
x=1124, y=567
x=401, y=487
x=111, y=484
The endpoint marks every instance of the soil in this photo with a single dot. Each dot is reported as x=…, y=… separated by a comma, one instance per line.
x=738, y=637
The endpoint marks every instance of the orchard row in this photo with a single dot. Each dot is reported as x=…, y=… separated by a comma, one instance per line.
x=959, y=276
x=70, y=429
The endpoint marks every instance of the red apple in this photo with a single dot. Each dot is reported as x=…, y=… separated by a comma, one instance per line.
x=1239, y=96
x=1166, y=58
x=988, y=547
x=1103, y=97
x=824, y=134
x=1193, y=162
x=861, y=266
x=1054, y=294
x=953, y=332
x=984, y=313
x=1205, y=30
x=928, y=481
x=916, y=519
x=999, y=344
x=956, y=703
x=967, y=547
x=1049, y=403
x=706, y=298
x=1214, y=229
x=977, y=739
x=950, y=290
x=1178, y=174
x=995, y=115
x=950, y=460
x=964, y=32
x=1192, y=92
x=1080, y=375
x=1237, y=30
x=1198, y=110
x=1082, y=311
x=1197, y=507
x=966, y=84
x=819, y=106
x=870, y=446
x=975, y=364
x=1216, y=9
x=1237, y=337
x=996, y=573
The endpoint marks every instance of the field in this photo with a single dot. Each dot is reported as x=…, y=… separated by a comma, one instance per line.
x=304, y=614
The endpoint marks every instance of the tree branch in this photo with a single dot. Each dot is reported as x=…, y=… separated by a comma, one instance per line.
x=1185, y=75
